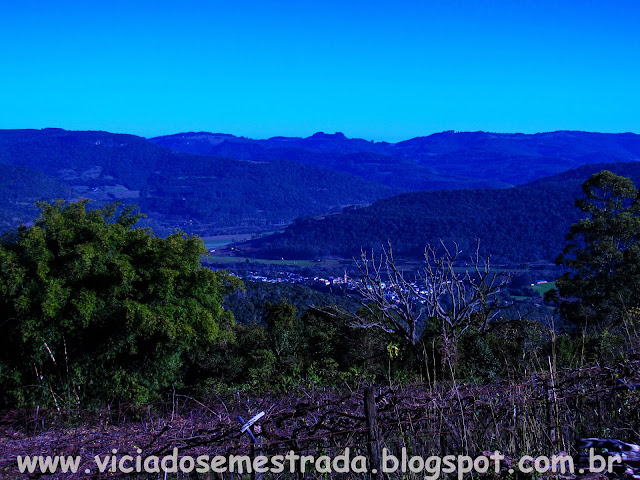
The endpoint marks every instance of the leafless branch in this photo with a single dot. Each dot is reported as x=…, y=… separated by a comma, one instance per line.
x=459, y=296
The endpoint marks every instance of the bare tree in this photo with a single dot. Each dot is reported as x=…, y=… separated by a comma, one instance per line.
x=459, y=296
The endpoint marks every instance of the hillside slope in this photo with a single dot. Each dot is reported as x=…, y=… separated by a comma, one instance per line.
x=21, y=187
x=521, y=224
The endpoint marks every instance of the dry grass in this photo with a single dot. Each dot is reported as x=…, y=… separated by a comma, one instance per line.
x=546, y=414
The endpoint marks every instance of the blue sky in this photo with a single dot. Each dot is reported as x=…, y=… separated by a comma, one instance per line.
x=371, y=69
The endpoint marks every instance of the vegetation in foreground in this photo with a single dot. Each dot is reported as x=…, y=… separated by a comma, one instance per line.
x=96, y=310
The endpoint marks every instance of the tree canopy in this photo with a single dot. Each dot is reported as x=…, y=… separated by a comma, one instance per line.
x=602, y=254
x=94, y=309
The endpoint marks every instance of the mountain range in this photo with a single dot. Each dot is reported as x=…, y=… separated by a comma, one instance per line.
x=200, y=194
x=447, y=160
x=211, y=184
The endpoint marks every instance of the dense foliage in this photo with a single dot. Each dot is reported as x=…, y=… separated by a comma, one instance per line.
x=603, y=252
x=93, y=309
x=288, y=349
x=247, y=304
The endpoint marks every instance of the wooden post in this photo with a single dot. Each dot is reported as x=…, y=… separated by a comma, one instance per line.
x=551, y=431
x=256, y=441
x=553, y=412
x=373, y=439
x=256, y=450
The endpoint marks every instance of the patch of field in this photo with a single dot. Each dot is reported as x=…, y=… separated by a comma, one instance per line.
x=544, y=287
x=121, y=192
x=266, y=261
x=217, y=241
x=107, y=193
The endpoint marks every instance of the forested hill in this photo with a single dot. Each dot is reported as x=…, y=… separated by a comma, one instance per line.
x=21, y=187
x=441, y=161
x=193, y=192
x=520, y=224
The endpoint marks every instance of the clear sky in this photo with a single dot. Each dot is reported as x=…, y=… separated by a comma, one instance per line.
x=382, y=70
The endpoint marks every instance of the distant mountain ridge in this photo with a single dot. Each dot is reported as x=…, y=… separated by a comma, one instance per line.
x=436, y=162
x=200, y=194
x=218, y=183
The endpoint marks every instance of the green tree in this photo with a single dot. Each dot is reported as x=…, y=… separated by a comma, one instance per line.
x=285, y=336
x=602, y=254
x=94, y=309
